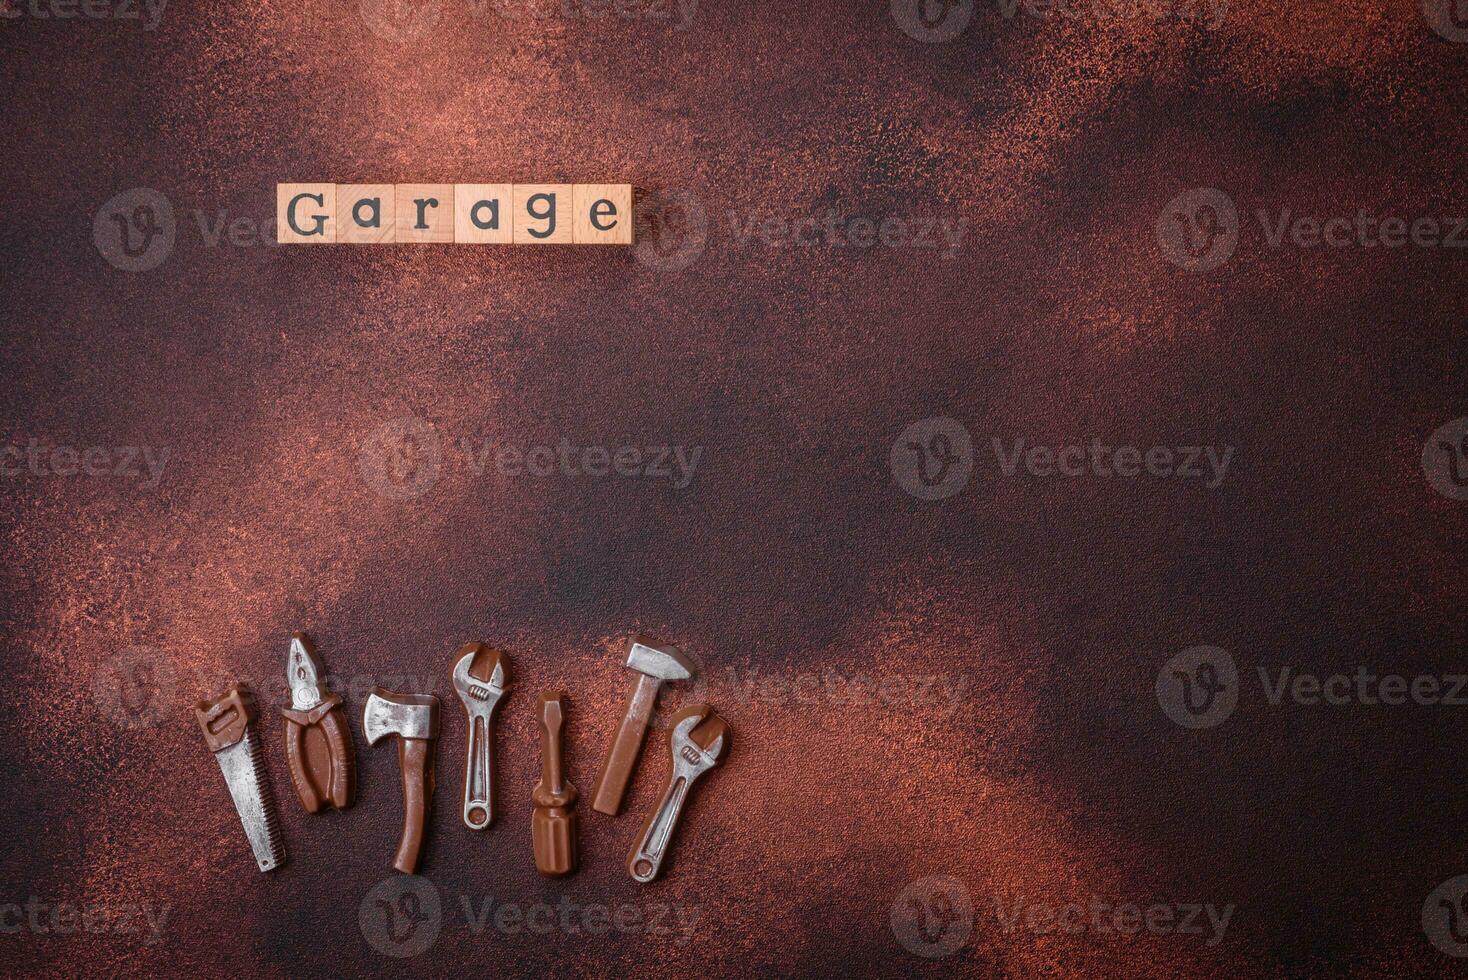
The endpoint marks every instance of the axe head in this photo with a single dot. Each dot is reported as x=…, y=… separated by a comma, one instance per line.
x=403, y=715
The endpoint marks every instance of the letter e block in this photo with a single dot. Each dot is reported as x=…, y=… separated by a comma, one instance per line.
x=603, y=214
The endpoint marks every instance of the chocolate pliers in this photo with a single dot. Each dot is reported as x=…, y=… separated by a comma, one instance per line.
x=318, y=747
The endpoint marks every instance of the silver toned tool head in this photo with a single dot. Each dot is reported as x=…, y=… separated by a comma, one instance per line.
x=686, y=749
x=405, y=715
x=473, y=691
x=662, y=661
x=303, y=671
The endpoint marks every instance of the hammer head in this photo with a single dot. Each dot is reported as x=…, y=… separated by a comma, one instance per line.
x=404, y=715
x=667, y=663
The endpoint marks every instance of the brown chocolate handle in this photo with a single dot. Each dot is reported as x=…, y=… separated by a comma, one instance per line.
x=295, y=756
x=616, y=769
x=415, y=756
x=343, y=778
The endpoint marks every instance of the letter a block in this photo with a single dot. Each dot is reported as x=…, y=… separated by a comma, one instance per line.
x=483, y=214
x=366, y=214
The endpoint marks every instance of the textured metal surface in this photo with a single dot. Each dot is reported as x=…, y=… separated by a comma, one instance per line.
x=250, y=790
x=1020, y=750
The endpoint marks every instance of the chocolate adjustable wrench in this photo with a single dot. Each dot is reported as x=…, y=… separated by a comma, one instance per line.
x=479, y=680
x=696, y=744
x=226, y=725
x=318, y=747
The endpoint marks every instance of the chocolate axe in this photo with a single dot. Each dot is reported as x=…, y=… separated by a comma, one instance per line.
x=413, y=718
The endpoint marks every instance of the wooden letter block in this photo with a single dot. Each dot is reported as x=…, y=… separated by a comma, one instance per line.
x=603, y=214
x=543, y=214
x=305, y=213
x=483, y=214
x=366, y=214
x=425, y=213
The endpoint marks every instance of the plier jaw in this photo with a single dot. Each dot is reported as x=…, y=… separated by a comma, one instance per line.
x=318, y=747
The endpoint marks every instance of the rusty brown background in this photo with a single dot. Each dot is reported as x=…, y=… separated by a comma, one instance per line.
x=268, y=372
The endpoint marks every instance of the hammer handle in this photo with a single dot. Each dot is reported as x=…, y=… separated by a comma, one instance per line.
x=616, y=769
x=415, y=757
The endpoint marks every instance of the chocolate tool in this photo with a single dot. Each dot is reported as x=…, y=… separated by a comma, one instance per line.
x=226, y=725
x=479, y=679
x=318, y=747
x=553, y=822
x=654, y=664
x=697, y=743
x=413, y=718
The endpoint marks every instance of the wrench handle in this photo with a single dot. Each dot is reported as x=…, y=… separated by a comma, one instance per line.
x=646, y=859
x=415, y=756
x=478, y=775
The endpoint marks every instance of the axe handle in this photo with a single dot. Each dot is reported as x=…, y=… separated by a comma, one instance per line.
x=616, y=769
x=415, y=756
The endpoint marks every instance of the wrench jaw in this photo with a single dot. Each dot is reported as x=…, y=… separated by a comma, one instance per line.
x=479, y=678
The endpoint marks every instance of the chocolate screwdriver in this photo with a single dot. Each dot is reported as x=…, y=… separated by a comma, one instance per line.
x=553, y=823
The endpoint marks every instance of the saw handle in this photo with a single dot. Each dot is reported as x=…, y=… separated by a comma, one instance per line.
x=415, y=758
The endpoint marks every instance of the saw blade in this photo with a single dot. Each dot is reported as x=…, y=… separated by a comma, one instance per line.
x=244, y=775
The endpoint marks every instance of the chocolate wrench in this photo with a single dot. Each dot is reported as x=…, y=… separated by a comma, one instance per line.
x=693, y=755
x=479, y=680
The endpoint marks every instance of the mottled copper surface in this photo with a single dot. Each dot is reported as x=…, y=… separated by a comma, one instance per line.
x=960, y=687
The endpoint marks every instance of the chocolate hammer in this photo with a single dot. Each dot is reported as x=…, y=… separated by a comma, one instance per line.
x=413, y=718
x=654, y=663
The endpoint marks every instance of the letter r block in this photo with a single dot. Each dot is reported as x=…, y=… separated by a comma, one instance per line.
x=305, y=214
x=425, y=213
